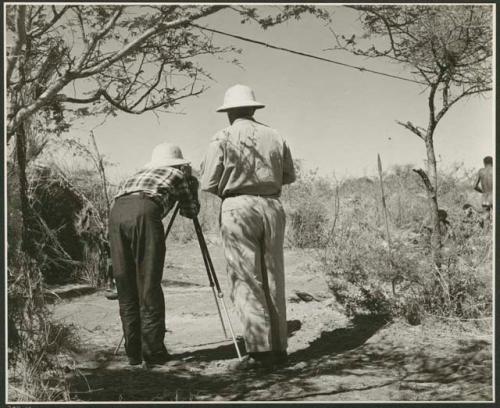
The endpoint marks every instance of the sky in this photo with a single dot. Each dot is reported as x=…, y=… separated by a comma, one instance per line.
x=335, y=119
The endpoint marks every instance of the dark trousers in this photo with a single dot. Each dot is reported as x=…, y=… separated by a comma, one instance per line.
x=138, y=254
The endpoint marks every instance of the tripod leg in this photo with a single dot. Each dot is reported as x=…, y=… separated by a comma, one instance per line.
x=220, y=314
x=203, y=246
x=172, y=218
x=212, y=277
x=231, y=328
x=119, y=344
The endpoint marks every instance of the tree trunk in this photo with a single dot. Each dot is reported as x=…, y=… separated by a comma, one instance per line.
x=27, y=241
x=433, y=202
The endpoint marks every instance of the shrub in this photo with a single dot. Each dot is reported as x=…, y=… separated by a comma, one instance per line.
x=35, y=373
x=68, y=231
x=368, y=275
x=306, y=204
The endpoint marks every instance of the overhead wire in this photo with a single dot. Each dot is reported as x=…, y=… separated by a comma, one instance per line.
x=304, y=54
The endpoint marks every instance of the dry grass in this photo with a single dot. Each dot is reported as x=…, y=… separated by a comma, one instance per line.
x=35, y=373
x=344, y=222
x=341, y=221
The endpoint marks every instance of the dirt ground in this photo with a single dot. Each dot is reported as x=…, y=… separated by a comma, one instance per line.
x=332, y=357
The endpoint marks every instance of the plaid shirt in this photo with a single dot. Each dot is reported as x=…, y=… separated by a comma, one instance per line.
x=165, y=185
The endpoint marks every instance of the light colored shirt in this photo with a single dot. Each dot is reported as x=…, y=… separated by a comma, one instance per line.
x=247, y=158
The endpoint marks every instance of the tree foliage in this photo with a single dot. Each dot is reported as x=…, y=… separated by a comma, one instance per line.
x=134, y=58
x=74, y=60
x=78, y=60
x=448, y=48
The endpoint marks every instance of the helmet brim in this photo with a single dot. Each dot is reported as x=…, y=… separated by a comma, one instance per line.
x=249, y=104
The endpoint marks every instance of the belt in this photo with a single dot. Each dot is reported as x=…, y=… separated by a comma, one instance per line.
x=142, y=194
x=277, y=195
x=136, y=193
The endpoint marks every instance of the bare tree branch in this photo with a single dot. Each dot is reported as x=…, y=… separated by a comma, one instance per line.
x=56, y=17
x=428, y=185
x=412, y=128
x=147, y=34
x=152, y=87
x=97, y=37
x=469, y=92
x=116, y=103
x=136, y=77
x=81, y=24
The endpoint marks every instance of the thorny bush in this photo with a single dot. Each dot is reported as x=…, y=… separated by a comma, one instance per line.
x=368, y=273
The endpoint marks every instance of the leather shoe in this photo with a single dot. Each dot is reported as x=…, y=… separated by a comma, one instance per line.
x=160, y=360
x=111, y=294
x=250, y=363
x=133, y=361
x=280, y=358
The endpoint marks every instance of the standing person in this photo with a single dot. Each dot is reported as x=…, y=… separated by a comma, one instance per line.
x=138, y=247
x=246, y=165
x=484, y=185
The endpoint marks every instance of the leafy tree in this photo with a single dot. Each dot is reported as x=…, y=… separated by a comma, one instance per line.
x=67, y=61
x=447, y=48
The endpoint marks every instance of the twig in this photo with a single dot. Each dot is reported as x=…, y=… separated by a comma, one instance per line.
x=336, y=215
x=443, y=283
x=383, y=202
x=384, y=206
x=102, y=172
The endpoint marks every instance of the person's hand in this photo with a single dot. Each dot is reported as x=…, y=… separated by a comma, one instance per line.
x=186, y=169
x=193, y=183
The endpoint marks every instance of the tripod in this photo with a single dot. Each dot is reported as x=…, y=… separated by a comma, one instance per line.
x=212, y=279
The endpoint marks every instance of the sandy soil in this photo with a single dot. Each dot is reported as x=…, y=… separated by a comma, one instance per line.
x=332, y=358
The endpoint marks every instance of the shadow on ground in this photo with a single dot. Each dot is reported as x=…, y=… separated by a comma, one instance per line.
x=339, y=362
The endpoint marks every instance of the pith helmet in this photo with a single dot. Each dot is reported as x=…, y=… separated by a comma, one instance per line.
x=166, y=154
x=239, y=96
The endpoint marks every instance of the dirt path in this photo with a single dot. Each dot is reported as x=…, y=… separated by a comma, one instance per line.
x=331, y=357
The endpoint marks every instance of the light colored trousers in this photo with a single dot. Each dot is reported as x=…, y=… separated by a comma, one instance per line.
x=253, y=230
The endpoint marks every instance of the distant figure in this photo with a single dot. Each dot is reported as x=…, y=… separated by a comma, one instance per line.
x=445, y=229
x=469, y=221
x=468, y=210
x=484, y=184
x=444, y=225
